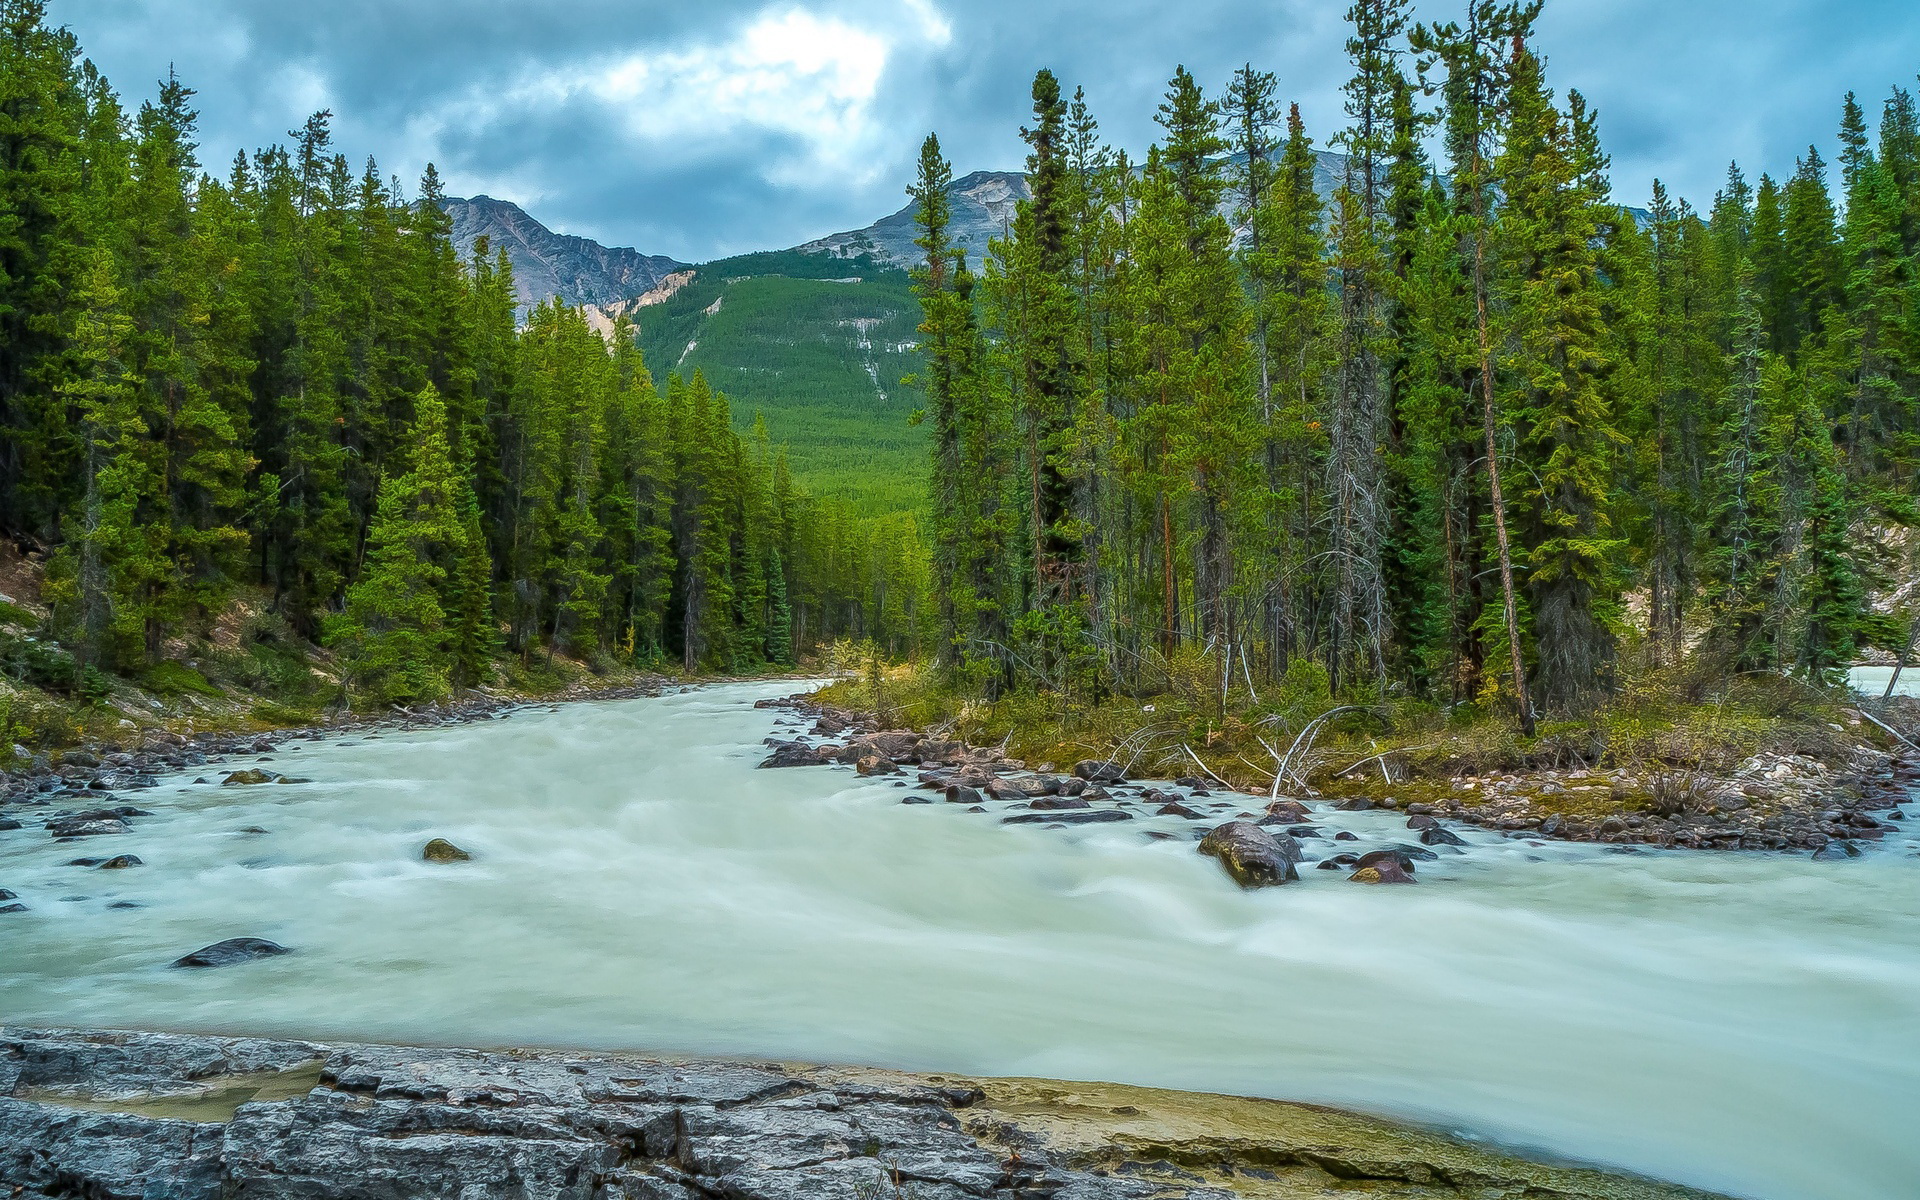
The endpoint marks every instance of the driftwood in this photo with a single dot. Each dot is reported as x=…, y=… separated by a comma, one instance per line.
x=1303, y=744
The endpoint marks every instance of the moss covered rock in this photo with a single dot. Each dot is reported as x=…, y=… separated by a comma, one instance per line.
x=440, y=850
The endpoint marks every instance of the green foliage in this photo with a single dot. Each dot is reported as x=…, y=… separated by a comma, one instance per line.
x=818, y=346
x=46, y=665
x=177, y=679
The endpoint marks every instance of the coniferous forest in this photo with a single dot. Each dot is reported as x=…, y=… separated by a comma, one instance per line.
x=278, y=375
x=1470, y=431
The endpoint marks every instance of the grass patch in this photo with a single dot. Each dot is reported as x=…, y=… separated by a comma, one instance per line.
x=1656, y=729
x=283, y=716
x=178, y=679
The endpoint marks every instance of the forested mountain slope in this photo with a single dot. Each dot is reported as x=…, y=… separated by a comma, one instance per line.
x=817, y=345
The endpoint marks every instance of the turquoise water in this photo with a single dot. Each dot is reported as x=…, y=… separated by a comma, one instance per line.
x=1742, y=1022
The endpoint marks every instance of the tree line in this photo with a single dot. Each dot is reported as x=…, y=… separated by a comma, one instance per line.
x=1464, y=431
x=286, y=379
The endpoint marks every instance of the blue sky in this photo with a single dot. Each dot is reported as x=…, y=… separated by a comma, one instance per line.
x=722, y=126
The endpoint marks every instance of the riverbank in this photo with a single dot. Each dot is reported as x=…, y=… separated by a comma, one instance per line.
x=118, y=1114
x=1781, y=769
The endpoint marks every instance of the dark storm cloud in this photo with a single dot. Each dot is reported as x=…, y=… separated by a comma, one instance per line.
x=729, y=125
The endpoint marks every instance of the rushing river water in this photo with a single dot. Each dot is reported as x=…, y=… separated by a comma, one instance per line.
x=1744, y=1022
x=1872, y=681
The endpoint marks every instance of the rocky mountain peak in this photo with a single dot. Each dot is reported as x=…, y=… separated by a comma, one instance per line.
x=545, y=264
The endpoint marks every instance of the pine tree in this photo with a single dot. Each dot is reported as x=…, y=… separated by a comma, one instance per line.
x=1565, y=432
x=394, y=634
x=1476, y=88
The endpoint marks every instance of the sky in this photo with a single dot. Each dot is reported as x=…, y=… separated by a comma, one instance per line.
x=717, y=127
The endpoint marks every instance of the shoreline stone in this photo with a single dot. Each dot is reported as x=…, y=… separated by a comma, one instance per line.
x=124, y=1114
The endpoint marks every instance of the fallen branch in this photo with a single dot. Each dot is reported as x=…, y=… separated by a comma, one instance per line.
x=1203, y=766
x=1890, y=729
x=1350, y=768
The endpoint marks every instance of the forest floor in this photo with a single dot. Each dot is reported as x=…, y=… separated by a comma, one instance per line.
x=1755, y=762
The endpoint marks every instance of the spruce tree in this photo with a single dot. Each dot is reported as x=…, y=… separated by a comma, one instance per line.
x=394, y=635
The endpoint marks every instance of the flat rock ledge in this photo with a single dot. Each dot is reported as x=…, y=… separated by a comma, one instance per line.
x=146, y=1116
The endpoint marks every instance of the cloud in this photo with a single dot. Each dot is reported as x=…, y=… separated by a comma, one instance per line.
x=731, y=125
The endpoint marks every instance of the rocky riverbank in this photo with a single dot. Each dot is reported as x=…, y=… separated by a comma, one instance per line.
x=1777, y=802
x=148, y=1116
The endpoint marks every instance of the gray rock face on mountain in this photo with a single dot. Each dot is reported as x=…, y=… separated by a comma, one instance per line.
x=546, y=264
x=983, y=205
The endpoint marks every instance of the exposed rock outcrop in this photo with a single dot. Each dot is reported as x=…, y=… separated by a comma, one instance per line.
x=126, y=1116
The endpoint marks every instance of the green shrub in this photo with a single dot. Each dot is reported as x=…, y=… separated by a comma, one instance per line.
x=45, y=665
x=177, y=679
x=269, y=712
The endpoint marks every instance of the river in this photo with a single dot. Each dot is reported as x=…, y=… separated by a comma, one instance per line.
x=1746, y=1022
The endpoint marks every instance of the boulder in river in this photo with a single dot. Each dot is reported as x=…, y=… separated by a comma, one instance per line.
x=940, y=750
x=248, y=778
x=1005, y=790
x=118, y=862
x=1173, y=808
x=1251, y=855
x=13, y=908
x=1291, y=810
x=1383, y=866
x=93, y=824
x=1437, y=835
x=8, y=823
x=440, y=850
x=793, y=754
x=1057, y=803
x=231, y=951
x=1095, y=770
x=960, y=793
x=1836, y=851
x=1090, y=816
x=873, y=764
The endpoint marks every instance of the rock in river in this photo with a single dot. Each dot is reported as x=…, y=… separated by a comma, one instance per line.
x=1387, y=870
x=1436, y=835
x=1836, y=851
x=1383, y=866
x=231, y=951
x=1095, y=770
x=248, y=778
x=90, y=824
x=793, y=754
x=1254, y=857
x=1291, y=810
x=1092, y=816
x=440, y=850
x=1057, y=803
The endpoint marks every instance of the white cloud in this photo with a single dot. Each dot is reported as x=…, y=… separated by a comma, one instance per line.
x=792, y=72
x=810, y=76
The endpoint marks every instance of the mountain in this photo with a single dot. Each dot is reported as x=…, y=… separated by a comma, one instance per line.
x=818, y=345
x=983, y=205
x=547, y=264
